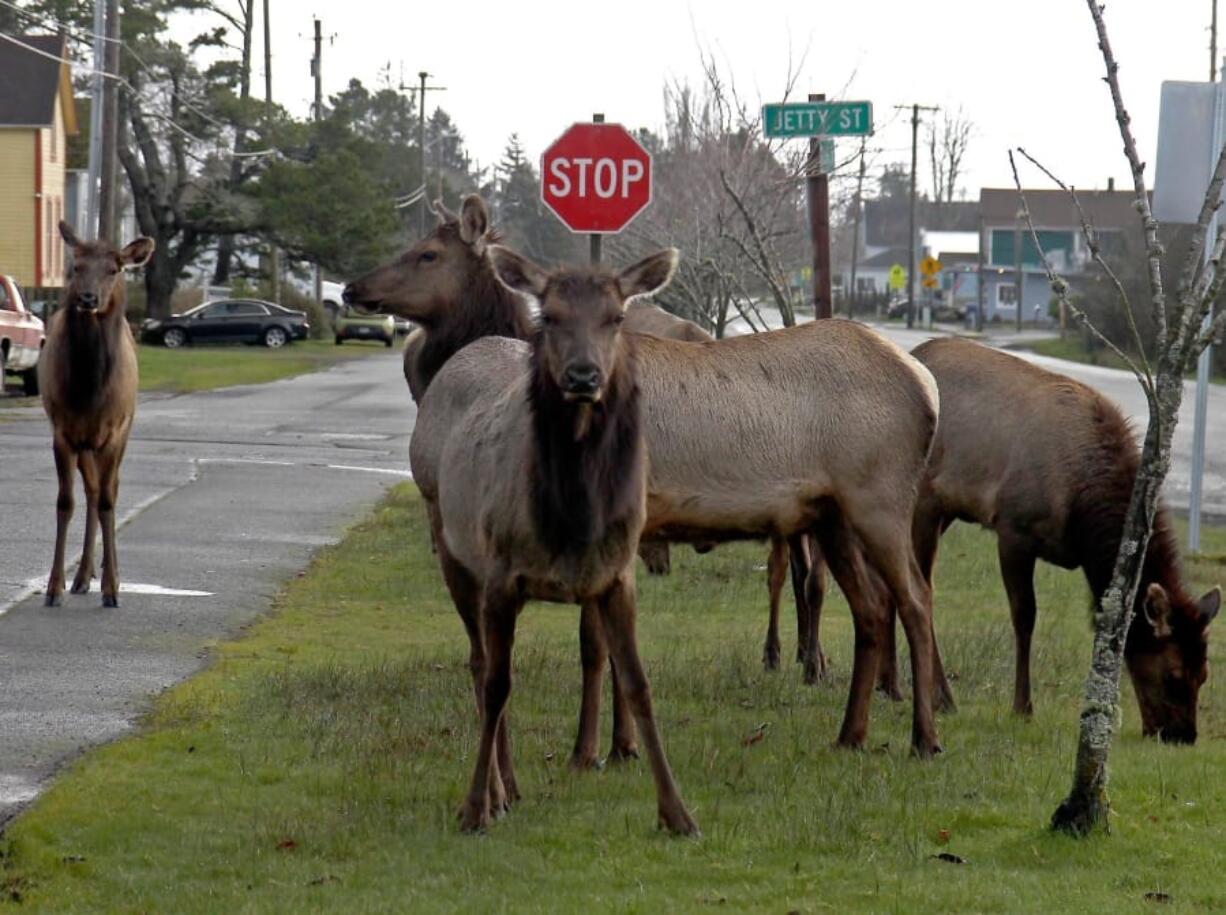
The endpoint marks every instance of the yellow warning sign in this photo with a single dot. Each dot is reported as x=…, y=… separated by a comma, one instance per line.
x=930, y=266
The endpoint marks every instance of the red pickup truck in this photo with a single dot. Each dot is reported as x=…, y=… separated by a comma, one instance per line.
x=21, y=337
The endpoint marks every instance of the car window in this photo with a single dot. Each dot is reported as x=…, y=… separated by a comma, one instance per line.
x=247, y=308
x=216, y=310
x=5, y=304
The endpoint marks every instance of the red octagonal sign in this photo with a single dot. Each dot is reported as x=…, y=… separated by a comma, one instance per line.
x=596, y=178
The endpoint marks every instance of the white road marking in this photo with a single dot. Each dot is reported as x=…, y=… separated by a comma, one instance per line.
x=132, y=587
x=356, y=436
x=245, y=461
x=395, y=473
x=14, y=790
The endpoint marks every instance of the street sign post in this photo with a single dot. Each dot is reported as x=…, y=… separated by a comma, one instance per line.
x=596, y=178
x=817, y=119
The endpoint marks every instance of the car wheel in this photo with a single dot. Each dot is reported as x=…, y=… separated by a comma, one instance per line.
x=388, y=341
x=275, y=338
x=29, y=380
x=174, y=338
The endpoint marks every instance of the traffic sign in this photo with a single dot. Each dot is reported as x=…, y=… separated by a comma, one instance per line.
x=596, y=178
x=898, y=277
x=930, y=282
x=818, y=119
x=930, y=266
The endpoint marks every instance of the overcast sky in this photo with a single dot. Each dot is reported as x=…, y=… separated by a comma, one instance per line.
x=1025, y=72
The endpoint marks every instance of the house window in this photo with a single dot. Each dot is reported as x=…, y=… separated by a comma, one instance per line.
x=866, y=284
x=1006, y=295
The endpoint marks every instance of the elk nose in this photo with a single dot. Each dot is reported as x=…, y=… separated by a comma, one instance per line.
x=88, y=299
x=582, y=378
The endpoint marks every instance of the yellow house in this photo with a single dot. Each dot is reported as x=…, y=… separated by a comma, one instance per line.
x=37, y=115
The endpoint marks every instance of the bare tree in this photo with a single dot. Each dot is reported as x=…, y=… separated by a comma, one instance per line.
x=1181, y=337
x=948, y=140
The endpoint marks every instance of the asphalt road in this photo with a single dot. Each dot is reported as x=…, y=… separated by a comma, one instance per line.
x=224, y=495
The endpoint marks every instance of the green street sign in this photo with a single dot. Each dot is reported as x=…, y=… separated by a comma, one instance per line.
x=818, y=119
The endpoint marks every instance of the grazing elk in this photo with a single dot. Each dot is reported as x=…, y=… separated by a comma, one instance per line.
x=1052, y=475
x=822, y=428
x=88, y=376
x=541, y=493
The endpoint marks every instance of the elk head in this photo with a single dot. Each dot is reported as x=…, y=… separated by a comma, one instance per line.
x=432, y=276
x=1167, y=653
x=97, y=271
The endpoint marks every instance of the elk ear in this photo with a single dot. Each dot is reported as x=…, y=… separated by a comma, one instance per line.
x=69, y=236
x=474, y=222
x=649, y=275
x=1209, y=605
x=518, y=273
x=137, y=253
x=1157, y=607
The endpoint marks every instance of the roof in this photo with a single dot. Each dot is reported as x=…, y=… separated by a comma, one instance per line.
x=887, y=221
x=943, y=245
x=887, y=258
x=1051, y=209
x=30, y=82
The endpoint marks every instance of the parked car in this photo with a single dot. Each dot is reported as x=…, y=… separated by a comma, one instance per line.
x=353, y=324
x=21, y=337
x=229, y=321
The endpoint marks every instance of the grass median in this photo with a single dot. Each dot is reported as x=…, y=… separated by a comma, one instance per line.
x=318, y=762
x=199, y=368
x=1073, y=350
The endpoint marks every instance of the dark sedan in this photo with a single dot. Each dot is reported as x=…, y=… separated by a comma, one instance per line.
x=229, y=321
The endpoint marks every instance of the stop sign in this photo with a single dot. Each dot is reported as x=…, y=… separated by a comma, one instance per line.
x=596, y=178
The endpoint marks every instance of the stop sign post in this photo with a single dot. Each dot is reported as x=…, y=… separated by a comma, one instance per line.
x=596, y=178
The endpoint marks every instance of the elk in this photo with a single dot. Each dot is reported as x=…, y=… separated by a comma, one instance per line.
x=1052, y=476
x=88, y=378
x=822, y=428
x=446, y=284
x=541, y=493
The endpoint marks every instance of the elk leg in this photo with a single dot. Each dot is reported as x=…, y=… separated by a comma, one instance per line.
x=108, y=494
x=89, y=479
x=776, y=569
x=799, y=564
x=926, y=531
x=887, y=668
x=65, y=470
x=592, y=656
x=889, y=549
x=848, y=568
x=617, y=612
x=1017, y=569
x=625, y=734
x=656, y=557
x=466, y=595
x=498, y=618
x=815, y=663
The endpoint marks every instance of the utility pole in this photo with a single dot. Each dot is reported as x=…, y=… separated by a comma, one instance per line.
x=421, y=144
x=912, y=265
x=979, y=297
x=95, y=117
x=1213, y=45
x=108, y=176
x=819, y=224
x=274, y=256
x=317, y=70
x=1019, y=278
x=855, y=232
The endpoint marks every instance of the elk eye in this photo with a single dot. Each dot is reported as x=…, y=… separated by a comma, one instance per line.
x=427, y=257
x=548, y=320
x=618, y=319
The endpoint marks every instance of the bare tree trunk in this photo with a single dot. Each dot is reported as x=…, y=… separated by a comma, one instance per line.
x=225, y=245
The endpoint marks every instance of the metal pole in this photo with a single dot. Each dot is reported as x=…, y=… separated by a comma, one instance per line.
x=979, y=297
x=855, y=233
x=421, y=144
x=911, y=222
x=319, y=114
x=819, y=224
x=595, y=239
x=108, y=171
x=1019, y=278
x=274, y=256
x=95, y=118
x=1204, y=364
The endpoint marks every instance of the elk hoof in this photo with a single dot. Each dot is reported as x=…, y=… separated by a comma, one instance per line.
x=53, y=600
x=474, y=816
x=890, y=690
x=80, y=584
x=679, y=822
x=621, y=754
x=926, y=749
x=943, y=703
x=584, y=762
x=110, y=600
x=1024, y=709
x=770, y=657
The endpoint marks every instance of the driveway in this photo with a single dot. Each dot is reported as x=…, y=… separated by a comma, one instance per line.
x=224, y=495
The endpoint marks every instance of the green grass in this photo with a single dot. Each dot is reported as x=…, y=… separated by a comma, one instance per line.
x=1071, y=348
x=317, y=765
x=199, y=368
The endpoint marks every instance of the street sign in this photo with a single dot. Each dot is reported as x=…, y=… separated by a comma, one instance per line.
x=930, y=267
x=930, y=282
x=898, y=277
x=818, y=119
x=596, y=178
